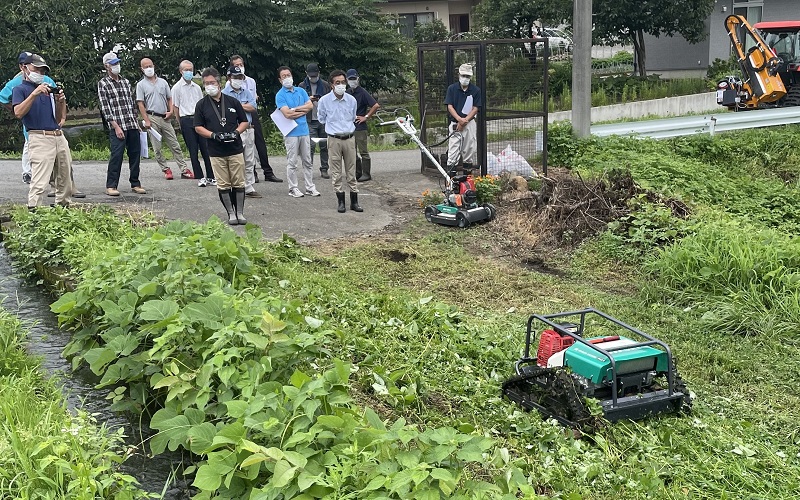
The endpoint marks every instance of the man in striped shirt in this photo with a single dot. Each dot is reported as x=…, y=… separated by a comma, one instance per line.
x=119, y=111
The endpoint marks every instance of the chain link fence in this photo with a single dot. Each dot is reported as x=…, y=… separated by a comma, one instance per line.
x=512, y=76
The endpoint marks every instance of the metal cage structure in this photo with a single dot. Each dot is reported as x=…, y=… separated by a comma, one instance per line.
x=513, y=78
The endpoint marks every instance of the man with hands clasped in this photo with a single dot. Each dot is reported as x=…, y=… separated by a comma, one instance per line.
x=222, y=119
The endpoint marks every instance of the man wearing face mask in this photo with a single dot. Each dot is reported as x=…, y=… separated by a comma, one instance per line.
x=463, y=102
x=255, y=123
x=154, y=99
x=367, y=106
x=185, y=94
x=222, y=120
x=119, y=112
x=42, y=108
x=238, y=91
x=316, y=87
x=337, y=111
x=294, y=103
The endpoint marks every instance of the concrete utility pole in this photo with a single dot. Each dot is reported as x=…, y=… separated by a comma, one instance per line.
x=582, y=68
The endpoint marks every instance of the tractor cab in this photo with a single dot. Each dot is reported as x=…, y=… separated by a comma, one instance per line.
x=783, y=37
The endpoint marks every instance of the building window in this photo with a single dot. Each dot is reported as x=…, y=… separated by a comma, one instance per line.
x=406, y=22
x=752, y=10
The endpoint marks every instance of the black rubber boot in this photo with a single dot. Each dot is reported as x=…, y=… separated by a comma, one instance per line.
x=225, y=198
x=354, y=206
x=238, y=194
x=358, y=168
x=340, y=198
x=366, y=168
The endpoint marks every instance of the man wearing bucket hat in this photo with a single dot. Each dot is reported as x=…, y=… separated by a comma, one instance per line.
x=463, y=102
x=42, y=108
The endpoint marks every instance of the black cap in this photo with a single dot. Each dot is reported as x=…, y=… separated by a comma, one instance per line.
x=312, y=69
x=37, y=61
x=351, y=73
x=235, y=70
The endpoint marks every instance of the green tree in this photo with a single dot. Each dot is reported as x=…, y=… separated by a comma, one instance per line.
x=623, y=20
x=434, y=31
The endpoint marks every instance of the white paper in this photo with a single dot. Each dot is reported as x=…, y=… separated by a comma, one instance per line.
x=155, y=134
x=467, y=105
x=319, y=139
x=143, y=144
x=285, y=125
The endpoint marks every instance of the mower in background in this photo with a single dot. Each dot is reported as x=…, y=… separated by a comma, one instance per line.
x=629, y=373
x=460, y=206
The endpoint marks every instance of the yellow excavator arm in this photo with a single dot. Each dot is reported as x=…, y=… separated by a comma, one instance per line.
x=760, y=83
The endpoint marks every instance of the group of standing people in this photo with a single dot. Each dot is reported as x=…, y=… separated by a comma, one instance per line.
x=221, y=126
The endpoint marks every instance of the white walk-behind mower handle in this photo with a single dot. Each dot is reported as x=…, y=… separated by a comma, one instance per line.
x=406, y=124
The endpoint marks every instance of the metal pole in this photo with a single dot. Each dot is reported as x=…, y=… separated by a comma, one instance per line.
x=582, y=68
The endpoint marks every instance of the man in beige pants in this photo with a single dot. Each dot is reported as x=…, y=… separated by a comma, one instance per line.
x=154, y=99
x=41, y=108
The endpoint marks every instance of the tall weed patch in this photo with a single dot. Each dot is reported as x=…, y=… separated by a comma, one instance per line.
x=744, y=279
x=45, y=451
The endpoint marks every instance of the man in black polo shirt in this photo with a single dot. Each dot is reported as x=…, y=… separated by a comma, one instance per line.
x=41, y=109
x=222, y=119
x=463, y=102
x=367, y=106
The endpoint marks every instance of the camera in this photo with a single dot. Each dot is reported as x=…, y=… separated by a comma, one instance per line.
x=58, y=89
x=227, y=136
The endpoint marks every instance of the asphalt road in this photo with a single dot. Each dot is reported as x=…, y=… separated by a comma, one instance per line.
x=389, y=198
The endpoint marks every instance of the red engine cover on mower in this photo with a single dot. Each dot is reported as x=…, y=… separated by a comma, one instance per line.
x=550, y=343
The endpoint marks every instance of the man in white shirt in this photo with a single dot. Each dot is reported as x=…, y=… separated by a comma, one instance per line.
x=185, y=94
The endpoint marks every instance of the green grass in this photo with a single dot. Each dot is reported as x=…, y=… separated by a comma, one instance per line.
x=45, y=451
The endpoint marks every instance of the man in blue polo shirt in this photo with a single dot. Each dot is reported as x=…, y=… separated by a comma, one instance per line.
x=42, y=108
x=5, y=99
x=295, y=104
x=463, y=102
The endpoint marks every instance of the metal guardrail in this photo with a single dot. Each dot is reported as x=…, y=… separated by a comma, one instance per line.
x=709, y=124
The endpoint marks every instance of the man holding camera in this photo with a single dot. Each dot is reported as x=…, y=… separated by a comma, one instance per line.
x=42, y=108
x=316, y=87
x=222, y=120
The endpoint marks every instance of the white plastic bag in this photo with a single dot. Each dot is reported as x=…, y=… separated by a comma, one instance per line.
x=512, y=162
x=492, y=165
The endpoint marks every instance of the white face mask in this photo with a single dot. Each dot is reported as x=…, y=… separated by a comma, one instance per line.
x=353, y=83
x=339, y=89
x=313, y=79
x=236, y=84
x=115, y=69
x=463, y=81
x=149, y=72
x=35, y=78
x=287, y=82
x=212, y=90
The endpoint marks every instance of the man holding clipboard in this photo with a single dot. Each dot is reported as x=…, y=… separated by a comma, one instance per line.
x=463, y=102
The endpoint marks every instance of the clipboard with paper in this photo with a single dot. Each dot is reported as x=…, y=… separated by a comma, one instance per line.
x=285, y=125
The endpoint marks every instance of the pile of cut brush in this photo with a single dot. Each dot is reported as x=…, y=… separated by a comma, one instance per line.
x=567, y=208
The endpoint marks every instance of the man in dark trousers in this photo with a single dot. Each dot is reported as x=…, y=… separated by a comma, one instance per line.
x=367, y=106
x=221, y=119
x=316, y=87
x=258, y=133
x=120, y=112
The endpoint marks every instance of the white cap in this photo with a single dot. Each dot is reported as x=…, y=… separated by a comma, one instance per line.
x=110, y=58
x=465, y=69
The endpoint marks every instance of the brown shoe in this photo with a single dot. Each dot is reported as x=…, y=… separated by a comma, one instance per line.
x=112, y=192
x=138, y=190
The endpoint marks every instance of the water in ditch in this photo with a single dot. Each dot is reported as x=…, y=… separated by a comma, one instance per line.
x=31, y=304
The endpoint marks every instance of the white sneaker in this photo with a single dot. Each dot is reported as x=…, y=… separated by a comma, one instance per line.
x=202, y=182
x=295, y=193
x=312, y=192
x=213, y=182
